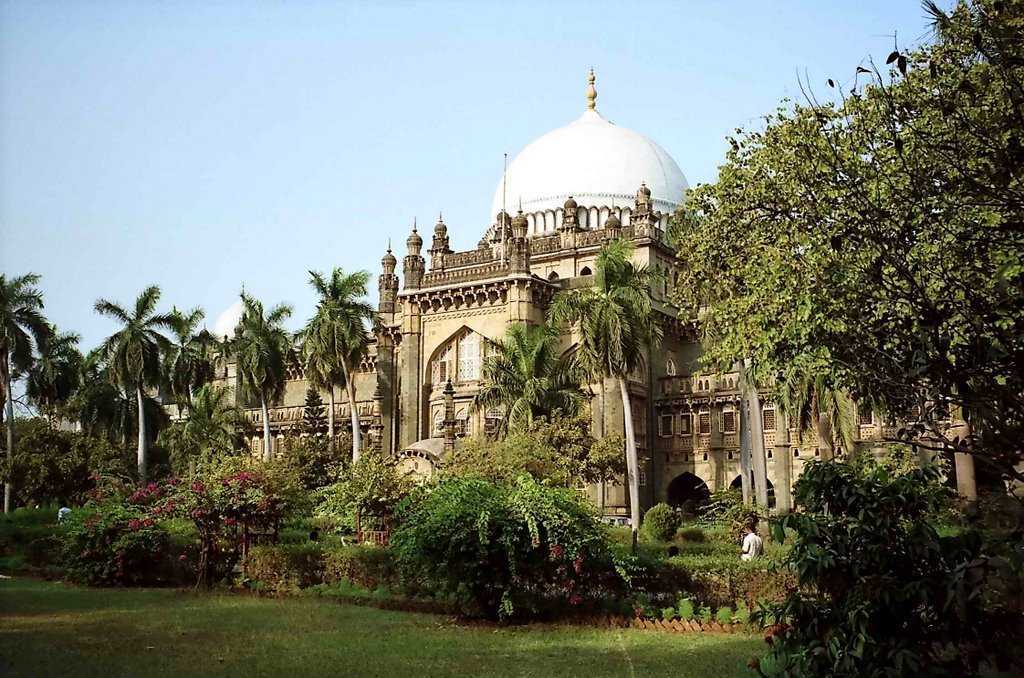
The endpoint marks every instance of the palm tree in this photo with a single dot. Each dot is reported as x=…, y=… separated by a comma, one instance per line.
x=22, y=326
x=134, y=353
x=189, y=362
x=335, y=339
x=811, y=401
x=214, y=426
x=262, y=346
x=56, y=375
x=615, y=321
x=525, y=376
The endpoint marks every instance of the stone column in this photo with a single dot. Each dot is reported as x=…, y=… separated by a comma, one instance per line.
x=411, y=388
x=386, y=390
x=717, y=447
x=783, y=464
x=449, y=419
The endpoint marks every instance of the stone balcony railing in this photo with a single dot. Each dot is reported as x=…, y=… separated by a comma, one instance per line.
x=493, y=269
x=468, y=258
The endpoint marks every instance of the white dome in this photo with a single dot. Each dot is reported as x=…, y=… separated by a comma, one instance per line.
x=595, y=162
x=224, y=325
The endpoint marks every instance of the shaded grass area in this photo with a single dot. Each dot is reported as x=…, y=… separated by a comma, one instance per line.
x=50, y=629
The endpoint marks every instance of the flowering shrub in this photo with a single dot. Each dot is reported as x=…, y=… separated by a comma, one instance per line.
x=114, y=542
x=227, y=499
x=503, y=550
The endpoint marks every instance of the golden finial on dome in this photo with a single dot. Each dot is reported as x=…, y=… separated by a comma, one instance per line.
x=591, y=92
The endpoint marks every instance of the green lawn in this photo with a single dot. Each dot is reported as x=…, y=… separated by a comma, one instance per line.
x=50, y=629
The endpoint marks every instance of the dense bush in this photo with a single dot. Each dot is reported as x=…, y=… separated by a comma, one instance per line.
x=228, y=498
x=286, y=568
x=691, y=534
x=52, y=466
x=503, y=550
x=559, y=450
x=114, y=542
x=367, y=566
x=371, y=487
x=661, y=522
x=881, y=592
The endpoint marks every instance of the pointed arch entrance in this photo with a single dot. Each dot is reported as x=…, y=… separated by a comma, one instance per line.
x=688, y=492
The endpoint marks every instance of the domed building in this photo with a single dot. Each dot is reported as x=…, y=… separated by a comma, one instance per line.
x=572, y=190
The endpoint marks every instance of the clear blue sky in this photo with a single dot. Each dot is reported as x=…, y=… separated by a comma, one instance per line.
x=203, y=145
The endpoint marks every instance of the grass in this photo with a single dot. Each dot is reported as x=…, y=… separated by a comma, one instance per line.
x=50, y=629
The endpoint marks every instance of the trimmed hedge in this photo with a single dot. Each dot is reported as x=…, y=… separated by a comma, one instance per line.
x=286, y=568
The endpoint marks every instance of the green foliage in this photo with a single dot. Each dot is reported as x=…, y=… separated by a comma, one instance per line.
x=685, y=609
x=724, y=615
x=371, y=487
x=368, y=566
x=51, y=466
x=227, y=497
x=704, y=614
x=113, y=542
x=880, y=590
x=661, y=522
x=504, y=550
x=314, y=417
x=189, y=359
x=212, y=427
x=55, y=374
x=319, y=463
x=559, y=451
x=691, y=534
x=525, y=377
x=285, y=568
x=873, y=241
x=725, y=508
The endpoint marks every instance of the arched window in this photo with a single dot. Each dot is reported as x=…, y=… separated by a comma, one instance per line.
x=553, y=276
x=443, y=369
x=469, y=357
x=585, y=271
x=670, y=367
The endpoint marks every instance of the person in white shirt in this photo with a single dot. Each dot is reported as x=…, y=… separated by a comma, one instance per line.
x=753, y=545
x=63, y=513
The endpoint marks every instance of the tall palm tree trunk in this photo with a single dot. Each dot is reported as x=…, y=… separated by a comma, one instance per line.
x=330, y=416
x=142, y=460
x=823, y=428
x=9, y=409
x=632, y=463
x=267, y=451
x=350, y=388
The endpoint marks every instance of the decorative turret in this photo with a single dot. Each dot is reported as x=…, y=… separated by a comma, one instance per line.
x=643, y=201
x=413, y=264
x=644, y=219
x=569, y=217
x=387, y=283
x=519, y=245
x=439, y=246
x=613, y=226
x=519, y=225
x=502, y=227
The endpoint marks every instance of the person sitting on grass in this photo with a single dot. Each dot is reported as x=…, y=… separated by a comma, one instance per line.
x=753, y=545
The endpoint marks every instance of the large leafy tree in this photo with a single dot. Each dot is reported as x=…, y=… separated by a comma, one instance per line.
x=189, y=360
x=615, y=322
x=214, y=426
x=134, y=355
x=879, y=238
x=22, y=328
x=56, y=374
x=525, y=376
x=262, y=346
x=335, y=339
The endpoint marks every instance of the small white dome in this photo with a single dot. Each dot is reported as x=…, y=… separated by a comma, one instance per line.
x=228, y=320
x=595, y=162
